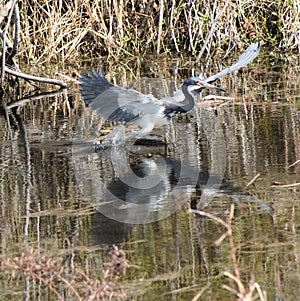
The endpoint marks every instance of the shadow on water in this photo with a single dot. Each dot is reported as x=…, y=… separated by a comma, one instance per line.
x=62, y=198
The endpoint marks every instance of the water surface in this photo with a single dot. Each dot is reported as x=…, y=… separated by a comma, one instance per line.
x=63, y=200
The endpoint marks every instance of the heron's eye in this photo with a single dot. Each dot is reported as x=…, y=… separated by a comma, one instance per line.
x=198, y=83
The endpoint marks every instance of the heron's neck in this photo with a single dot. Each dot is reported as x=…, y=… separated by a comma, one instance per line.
x=189, y=101
x=181, y=107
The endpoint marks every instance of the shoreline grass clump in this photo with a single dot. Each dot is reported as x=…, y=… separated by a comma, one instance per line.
x=64, y=31
x=66, y=282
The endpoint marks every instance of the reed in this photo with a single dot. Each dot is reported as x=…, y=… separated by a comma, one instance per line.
x=250, y=292
x=63, y=31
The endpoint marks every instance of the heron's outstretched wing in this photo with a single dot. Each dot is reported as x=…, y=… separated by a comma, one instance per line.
x=248, y=56
x=93, y=85
x=112, y=102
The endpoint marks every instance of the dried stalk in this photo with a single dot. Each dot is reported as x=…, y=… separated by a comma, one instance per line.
x=241, y=290
x=161, y=17
x=36, y=78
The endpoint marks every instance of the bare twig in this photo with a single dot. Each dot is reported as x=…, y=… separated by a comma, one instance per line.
x=172, y=26
x=161, y=17
x=199, y=294
x=3, y=57
x=36, y=78
x=293, y=164
x=211, y=216
x=237, y=280
x=286, y=185
x=69, y=285
x=253, y=180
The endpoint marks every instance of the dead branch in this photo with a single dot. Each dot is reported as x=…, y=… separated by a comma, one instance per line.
x=36, y=78
x=10, y=50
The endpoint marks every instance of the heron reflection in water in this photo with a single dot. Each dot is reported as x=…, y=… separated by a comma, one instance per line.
x=128, y=106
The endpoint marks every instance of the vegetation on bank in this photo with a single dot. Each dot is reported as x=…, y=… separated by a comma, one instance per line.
x=62, y=31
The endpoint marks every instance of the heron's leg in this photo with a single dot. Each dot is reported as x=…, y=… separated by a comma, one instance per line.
x=141, y=133
x=115, y=137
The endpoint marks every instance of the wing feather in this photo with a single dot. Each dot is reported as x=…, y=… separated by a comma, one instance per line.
x=112, y=102
x=248, y=56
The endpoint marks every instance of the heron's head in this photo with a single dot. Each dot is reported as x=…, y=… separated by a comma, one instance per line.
x=201, y=83
x=193, y=81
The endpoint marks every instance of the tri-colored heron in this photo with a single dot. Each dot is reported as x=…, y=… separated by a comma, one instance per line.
x=128, y=106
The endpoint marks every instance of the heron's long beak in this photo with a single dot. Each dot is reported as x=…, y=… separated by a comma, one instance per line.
x=205, y=85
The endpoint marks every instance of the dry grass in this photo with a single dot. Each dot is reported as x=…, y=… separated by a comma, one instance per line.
x=63, y=31
x=79, y=285
x=237, y=287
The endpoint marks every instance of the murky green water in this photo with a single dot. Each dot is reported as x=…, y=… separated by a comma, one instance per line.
x=52, y=181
